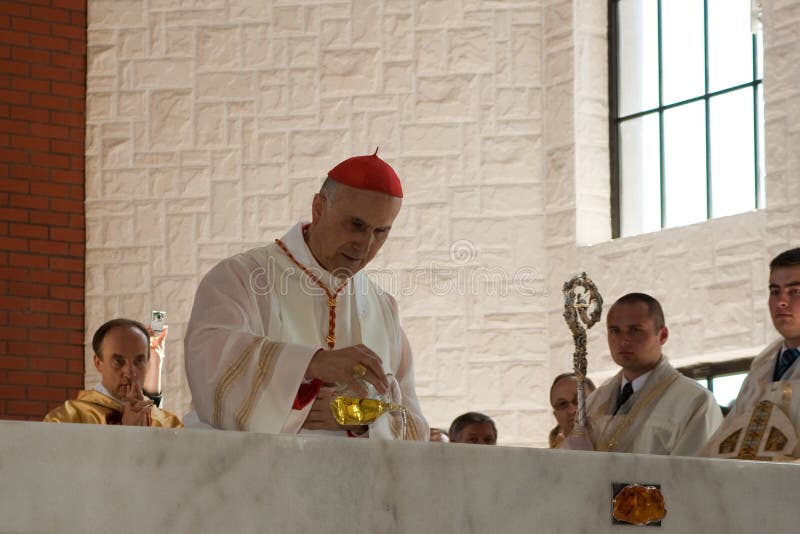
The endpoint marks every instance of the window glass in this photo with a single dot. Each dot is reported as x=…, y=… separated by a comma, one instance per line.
x=638, y=56
x=682, y=49
x=640, y=181
x=685, y=165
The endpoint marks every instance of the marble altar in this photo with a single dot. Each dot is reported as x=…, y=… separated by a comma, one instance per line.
x=82, y=478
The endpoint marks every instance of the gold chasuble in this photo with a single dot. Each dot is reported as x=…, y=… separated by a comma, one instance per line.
x=765, y=419
x=669, y=414
x=92, y=407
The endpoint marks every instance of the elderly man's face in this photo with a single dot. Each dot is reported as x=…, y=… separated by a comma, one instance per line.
x=346, y=233
x=564, y=401
x=124, y=353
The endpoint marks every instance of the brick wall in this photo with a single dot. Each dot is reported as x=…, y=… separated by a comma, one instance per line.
x=42, y=99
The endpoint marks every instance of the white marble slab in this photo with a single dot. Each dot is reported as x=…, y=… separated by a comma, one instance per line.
x=83, y=478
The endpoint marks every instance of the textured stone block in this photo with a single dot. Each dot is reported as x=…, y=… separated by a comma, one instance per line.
x=470, y=50
x=349, y=71
x=218, y=47
x=170, y=119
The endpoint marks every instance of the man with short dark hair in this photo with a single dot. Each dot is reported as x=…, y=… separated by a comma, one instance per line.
x=473, y=427
x=763, y=423
x=648, y=407
x=121, y=352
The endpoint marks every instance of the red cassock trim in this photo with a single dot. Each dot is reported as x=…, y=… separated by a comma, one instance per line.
x=306, y=393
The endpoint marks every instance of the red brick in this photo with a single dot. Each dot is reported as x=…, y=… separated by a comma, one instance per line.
x=12, y=392
x=48, y=217
x=5, y=51
x=28, y=260
x=66, y=321
x=12, y=303
x=77, y=366
x=65, y=380
x=75, y=338
x=66, y=147
x=50, y=190
x=16, y=127
x=49, y=73
x=48, y=364
x=68, y=206
x=27, y=378
x=16, y=333
x=67, y=119
x=77, y=104
x=49, y=14
x=30, y=172
x=78, y=19
x=17, y=407
x=30, y=26
x=20, y=275
x=20, y=318
x=15, y=244
x=49, y=277
x=77, y=250
x=5, y=21
x=22, y=289
x=16, y=9
x=78, y=47
x=15, y=97
x=25, y=348
x=17, y=156
x=13, y=362
x=76, y=308
x=45, y=393
x=34, y=86
x=26, y=142
x=30, y=55
x=76, y=279
x=51, y=160
x=29, y=201
x=67, y=264
x=47, y=305
x=46, y=335
x=50, y=130
x=69, y=61
x=69, y=292
x=30, y=114
x=68, y=31
x=75, y=90
x=14, y=38
x=11, y=214
x=75, y=5
x=49, y=101
x=47, y=247
x=14, y=417
x=66, y=234
x=28, y=230
x=68, y=177
x=76, y=163
x=14, y=186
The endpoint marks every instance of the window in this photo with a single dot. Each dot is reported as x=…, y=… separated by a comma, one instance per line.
x=724, y=379
x=686, y=112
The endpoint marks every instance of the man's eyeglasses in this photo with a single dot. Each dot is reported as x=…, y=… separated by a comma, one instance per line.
x=564, y=404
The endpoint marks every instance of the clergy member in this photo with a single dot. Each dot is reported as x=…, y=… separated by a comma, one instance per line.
x=765, y=418
x=648, y=406
x=564, y=400
x=121, y=353
x=274, y=331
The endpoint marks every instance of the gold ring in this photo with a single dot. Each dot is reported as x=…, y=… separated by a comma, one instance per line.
x=359, y=370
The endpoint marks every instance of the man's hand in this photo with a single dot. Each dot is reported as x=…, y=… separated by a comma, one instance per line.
x=338, y=367
x=578, y=440
x=135, y=408
x=321, y=417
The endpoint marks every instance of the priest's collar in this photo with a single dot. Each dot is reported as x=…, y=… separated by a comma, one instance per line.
x=100, y=388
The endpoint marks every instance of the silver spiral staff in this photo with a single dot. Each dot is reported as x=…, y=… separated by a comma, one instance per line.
x=581, y=306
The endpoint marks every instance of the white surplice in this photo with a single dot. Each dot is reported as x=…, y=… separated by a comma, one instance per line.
x=670, y=414
x=257, y=321
x=757, y=387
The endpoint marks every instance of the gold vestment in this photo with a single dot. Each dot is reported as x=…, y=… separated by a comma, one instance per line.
x=92, y=407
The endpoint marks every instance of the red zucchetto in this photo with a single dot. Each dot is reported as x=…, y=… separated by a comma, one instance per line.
x=368, y=172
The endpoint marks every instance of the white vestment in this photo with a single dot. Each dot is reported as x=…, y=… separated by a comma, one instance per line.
x=774, y=437
x=256, y=323
x=670, y=414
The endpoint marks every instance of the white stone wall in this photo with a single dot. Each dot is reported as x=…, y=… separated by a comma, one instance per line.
x=212, y=122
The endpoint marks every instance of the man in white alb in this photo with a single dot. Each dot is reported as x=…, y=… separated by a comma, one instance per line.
x=648, y=407
x=275, y=330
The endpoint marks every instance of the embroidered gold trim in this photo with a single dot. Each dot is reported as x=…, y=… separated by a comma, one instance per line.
x=265, y=359
x=412, y=431
x=630, y=417
x=755, y=431
x=227, y=380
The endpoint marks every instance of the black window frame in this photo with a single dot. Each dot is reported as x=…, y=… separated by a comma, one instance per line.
x=615, y=120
